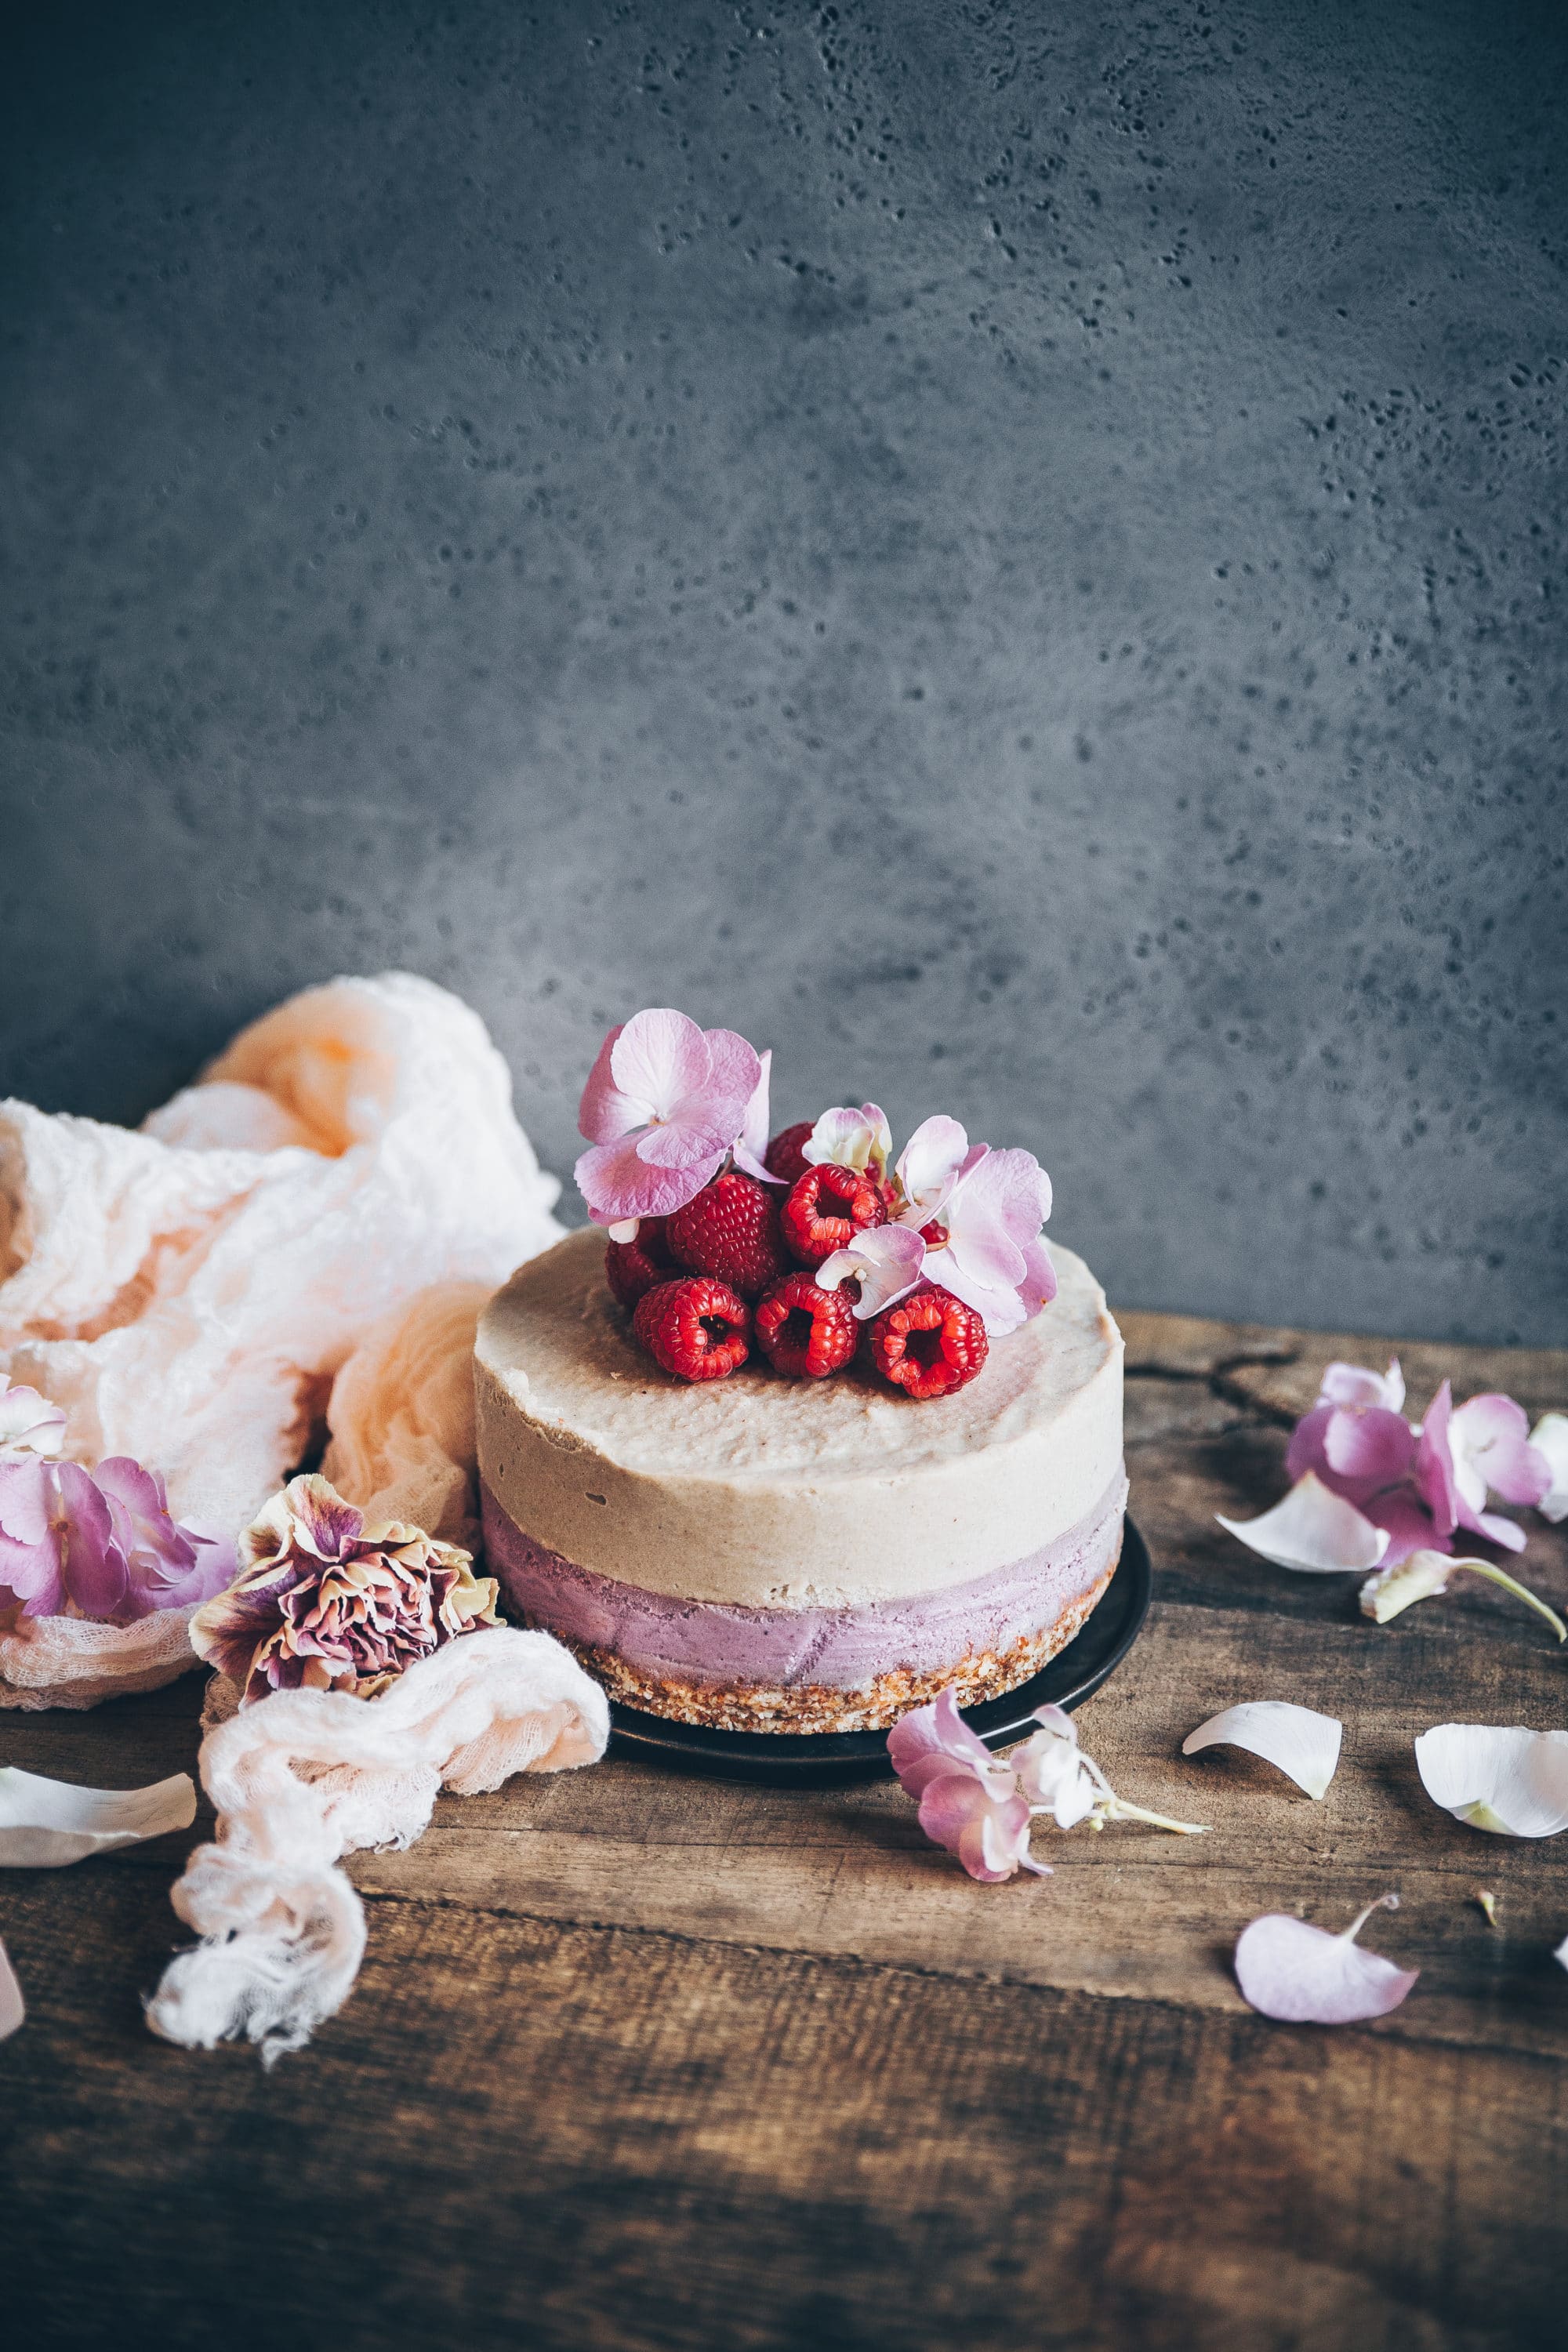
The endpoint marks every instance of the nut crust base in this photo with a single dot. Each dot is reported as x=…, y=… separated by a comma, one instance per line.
x=814, y=1707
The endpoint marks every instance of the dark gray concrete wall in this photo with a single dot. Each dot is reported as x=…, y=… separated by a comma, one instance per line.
x=1013, y=553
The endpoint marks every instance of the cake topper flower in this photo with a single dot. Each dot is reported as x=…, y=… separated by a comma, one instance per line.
x=664, y=1105
x=861, y=1139
x=979, y=1212
x=325, y=1602
x=1371, y=1490
x=885, y=1263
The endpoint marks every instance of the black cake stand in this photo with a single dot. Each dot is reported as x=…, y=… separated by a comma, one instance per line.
x=828, y=1759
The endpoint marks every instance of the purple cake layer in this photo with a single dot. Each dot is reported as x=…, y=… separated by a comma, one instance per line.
x=707, y=1642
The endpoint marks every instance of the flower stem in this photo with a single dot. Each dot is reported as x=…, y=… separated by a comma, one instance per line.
x=1520, y=1592
x=1118, y=1810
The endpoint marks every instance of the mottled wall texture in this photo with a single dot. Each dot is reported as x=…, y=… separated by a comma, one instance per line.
x=1013, y=552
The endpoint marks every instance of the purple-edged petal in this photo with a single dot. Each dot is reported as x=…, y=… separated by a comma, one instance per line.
x=618, y=1183
x=1038, y=1287
x=605, y=1113
x=934, y=1739
x=734, y=1075
x=91, y=1562
x=1436, y=1479
x=1313, y=1530
x=1492, y=1433
x=990, y=1836
x=1368, y=1444
x=324, y=1523
x=683, y=1144
x=1303, y=1976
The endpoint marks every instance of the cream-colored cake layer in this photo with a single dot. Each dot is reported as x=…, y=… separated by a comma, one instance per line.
x=773, y=1492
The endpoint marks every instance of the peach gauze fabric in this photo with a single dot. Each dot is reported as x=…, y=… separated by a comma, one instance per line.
x=188, y=1292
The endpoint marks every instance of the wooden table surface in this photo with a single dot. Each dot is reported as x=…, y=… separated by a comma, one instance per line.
x=638, y=2060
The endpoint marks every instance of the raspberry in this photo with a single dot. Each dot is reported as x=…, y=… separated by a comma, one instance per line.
x=827, y=1207
x=785, y=1156
x=696, y=1328
x=632, y=1267
x=730, y=1231
x=804, y=1330
x=929, y=1344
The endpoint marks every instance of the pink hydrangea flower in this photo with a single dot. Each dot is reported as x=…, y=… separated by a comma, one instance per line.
x=970, y=1801
x=1408, y=1489
x=664, y=1105
x=100, y=1543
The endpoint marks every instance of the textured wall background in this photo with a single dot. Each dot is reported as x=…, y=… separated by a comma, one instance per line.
x=1014, y=552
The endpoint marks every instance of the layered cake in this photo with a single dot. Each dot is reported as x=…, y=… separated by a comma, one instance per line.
x=804, y=1556
x=794, y=1436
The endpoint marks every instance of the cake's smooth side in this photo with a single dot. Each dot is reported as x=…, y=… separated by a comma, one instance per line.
x=773, y=1494
x=813, y=1669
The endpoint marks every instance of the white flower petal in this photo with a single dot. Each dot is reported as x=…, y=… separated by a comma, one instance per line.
x=1302, y=1743
x=1560, y=1954
x=1312, y=1530
x=1498, y=1777
x=1303, y=1976
x=45, y=1823
x=12, y=2010
x=1550, y=1436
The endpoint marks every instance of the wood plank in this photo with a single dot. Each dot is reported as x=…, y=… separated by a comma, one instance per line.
x=529, y=2133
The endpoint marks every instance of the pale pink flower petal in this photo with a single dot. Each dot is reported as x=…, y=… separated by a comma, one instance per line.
x=887, y=1262
x=930, y=1164
x=1548, y=1438
x=935, y=1738
x=47, y=1825
x=619, y=1185
x=1038, y=1287
x=1355, y=1387
x=752, y=1140
x=29, y=1423
x=1313, y=1530
x=605, y=1113
x=31, y=1569
x=1303, y=1976
x=990, y=1835
x=661, y=1059
x=1001, y=1310
x=848, y=1138
x=1489, y=1435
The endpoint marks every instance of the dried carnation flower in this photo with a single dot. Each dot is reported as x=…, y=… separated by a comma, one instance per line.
x=325, y=1602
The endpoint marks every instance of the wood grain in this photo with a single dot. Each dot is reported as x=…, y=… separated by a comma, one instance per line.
x=642, y=2061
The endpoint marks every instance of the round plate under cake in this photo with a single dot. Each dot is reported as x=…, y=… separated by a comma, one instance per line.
x=795, y=1557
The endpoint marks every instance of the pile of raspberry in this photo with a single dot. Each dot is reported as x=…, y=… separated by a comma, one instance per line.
x=735, y=1269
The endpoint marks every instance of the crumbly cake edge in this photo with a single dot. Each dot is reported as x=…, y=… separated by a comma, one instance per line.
x=816, y=1708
